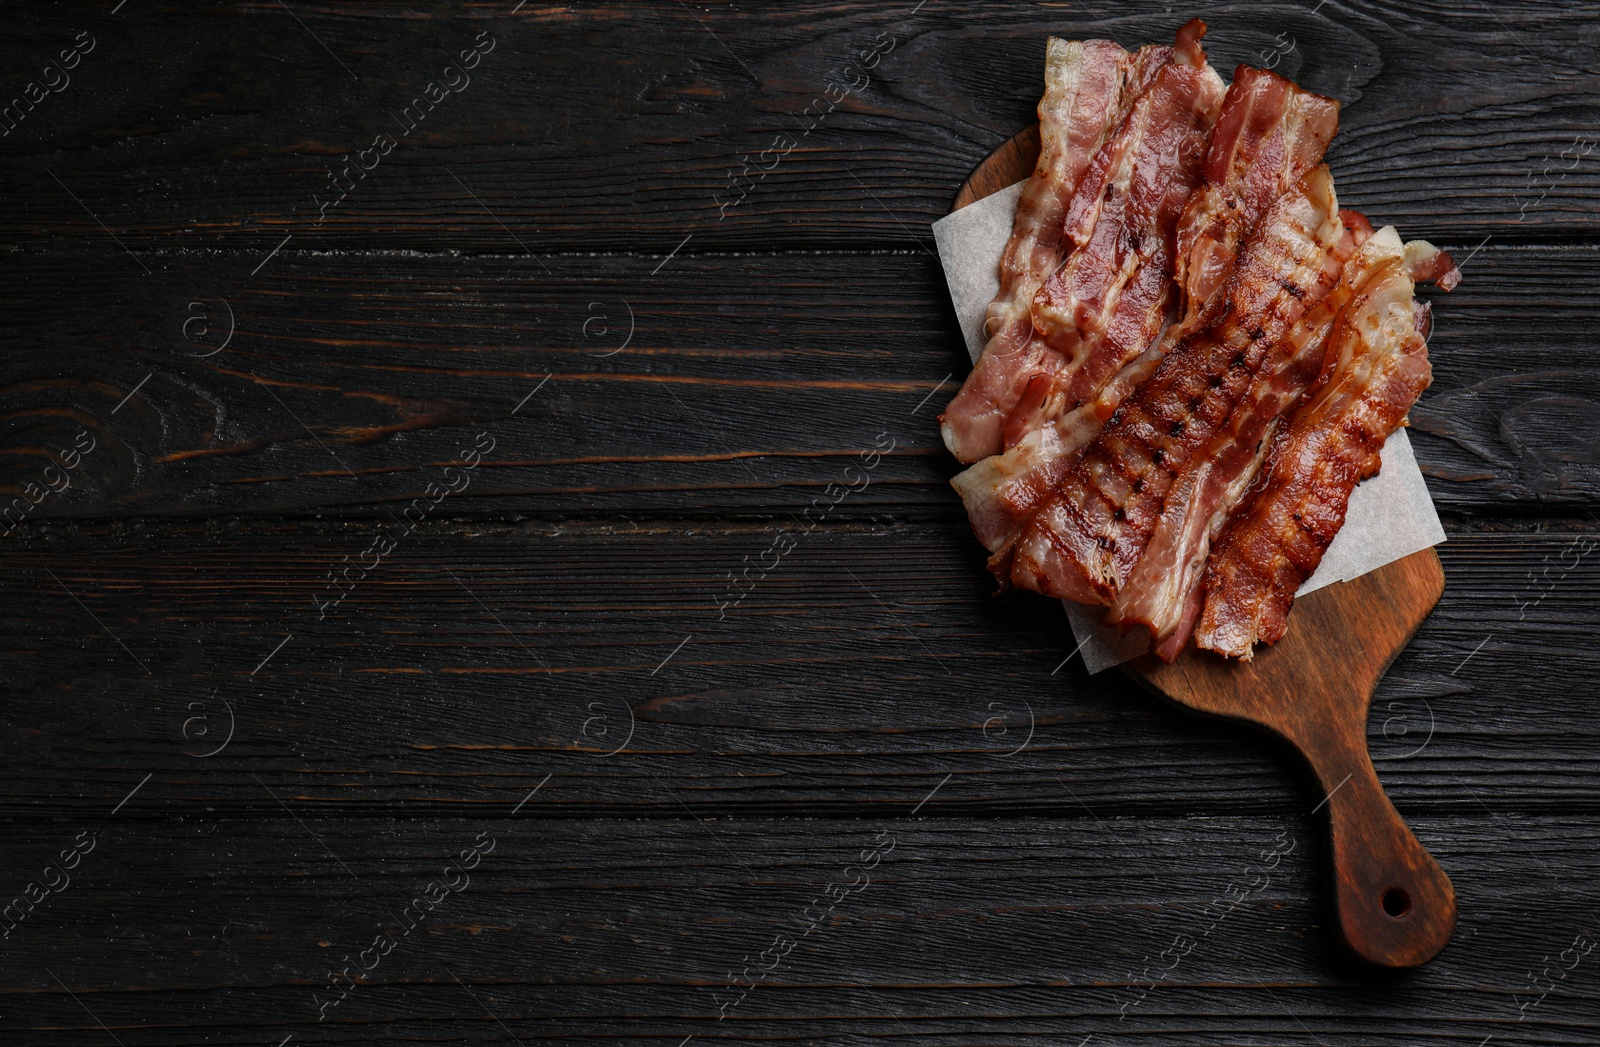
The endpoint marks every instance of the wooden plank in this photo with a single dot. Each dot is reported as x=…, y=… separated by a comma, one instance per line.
x=720, y=384
x=866, y=667
x=960, y=932
x=269, y=787
x=1461, y=122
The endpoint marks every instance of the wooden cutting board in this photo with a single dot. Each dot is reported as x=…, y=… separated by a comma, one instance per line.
x=1393, y=906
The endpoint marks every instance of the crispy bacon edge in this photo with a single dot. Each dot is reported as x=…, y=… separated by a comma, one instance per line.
x=1271, y=132
x=1113, y=293
x=1165, y=591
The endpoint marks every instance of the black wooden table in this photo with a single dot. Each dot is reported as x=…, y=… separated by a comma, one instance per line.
x=414, y=631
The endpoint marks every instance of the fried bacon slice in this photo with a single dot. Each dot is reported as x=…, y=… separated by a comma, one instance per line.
x=1002, y=492
x=1089, y=87
x=1112, y=296
x=1086, y=538
x=1270, y=133
x=1376, y=367
x=1164, y=592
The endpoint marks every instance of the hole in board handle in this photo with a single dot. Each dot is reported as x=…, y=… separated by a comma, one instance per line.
x=1396, y=902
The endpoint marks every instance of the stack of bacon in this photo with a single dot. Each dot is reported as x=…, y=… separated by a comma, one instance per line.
x=1194, y=356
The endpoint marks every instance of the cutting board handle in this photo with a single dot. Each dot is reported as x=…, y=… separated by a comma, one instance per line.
x=1392, y=902
x=1393, y=905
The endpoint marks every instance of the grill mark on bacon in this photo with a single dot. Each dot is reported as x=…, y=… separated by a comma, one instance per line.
x=1162, y=590
x=1376, y=367
x=1269, y=133
x=1089, y=88
x=1195, y=492
x=1197, y=509
x=1085, y=540
x=1165, y=590
x=1002, y=491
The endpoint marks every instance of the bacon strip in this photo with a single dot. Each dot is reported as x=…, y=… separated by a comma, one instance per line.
x=1111, y=297
x=1002, y=492
x=1270, y=133
x=1164, y=592
x=1089, y=87
x=1376, y=367
x=1084, y=541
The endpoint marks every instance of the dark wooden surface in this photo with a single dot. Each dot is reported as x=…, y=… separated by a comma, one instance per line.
x=1055, y=857
x=1392, y=906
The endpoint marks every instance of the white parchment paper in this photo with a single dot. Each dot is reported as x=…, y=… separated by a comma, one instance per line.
x=1390, y=516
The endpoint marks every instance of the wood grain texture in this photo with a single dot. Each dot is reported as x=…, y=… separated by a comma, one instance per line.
x=962, y=930
x=869, y=684
x=624, y=126
x=433, y=694
x=384, y=366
